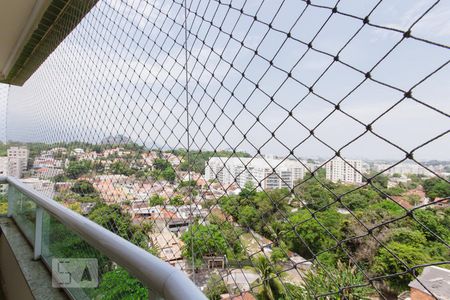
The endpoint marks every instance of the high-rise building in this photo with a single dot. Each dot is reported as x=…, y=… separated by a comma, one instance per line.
x=15, y=167
x=405, y=168
x=18, y=160
x=272, y=173
x=344, y=171
x=12, y=166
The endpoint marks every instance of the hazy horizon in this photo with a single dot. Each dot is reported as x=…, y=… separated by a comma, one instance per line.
x=103, y=80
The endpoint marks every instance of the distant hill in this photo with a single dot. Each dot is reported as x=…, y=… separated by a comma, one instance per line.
x=117, y=140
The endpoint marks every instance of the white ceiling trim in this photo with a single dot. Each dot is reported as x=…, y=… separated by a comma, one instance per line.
x=33, y=21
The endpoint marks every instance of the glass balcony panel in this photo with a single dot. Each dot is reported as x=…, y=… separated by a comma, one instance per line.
x=24, y=213
x=3, y=199
x=114, y=282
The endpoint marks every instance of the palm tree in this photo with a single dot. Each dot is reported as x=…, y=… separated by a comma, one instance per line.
x=276, y=232
x=322, y=280
x=272, y=288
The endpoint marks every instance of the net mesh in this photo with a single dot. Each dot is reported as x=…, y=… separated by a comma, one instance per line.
x=280, y=149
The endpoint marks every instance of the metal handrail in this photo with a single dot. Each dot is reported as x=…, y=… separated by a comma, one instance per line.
x=158, y=276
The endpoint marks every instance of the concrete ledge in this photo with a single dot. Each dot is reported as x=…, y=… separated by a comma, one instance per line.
x=21, y=276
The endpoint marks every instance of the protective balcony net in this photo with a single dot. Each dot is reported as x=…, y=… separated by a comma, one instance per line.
x=269, y=149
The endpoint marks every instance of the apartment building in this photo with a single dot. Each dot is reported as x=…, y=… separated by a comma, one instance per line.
x=272, y=173
x=11, y=166
x=344, y=171
x=15, y=165
x=405, y=168
x=19, y=155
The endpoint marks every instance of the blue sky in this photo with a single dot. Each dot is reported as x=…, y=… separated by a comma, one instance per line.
x=121, y=71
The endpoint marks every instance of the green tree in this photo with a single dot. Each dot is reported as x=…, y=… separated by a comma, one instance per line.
x=380, y=181
x=230, y=205
x=319, y=281
x=98, y=167
x=277, y=198
x=279, y=253
x=114, y=219
x=276, y=231
x=360, y=199
x=155, y=200
x=97, y=148
x=187, y=183
x=3, y=149
x=259, y=210
x=314, y=194
x=436, y=188
x=65, y=243
x=161, y=164
x=76, y=207
x=121, y=168
x=408, y=236
x=205, y=240
x=232, y=235
x=248, y=191
x=83, y=187
x=169, y=174
x=77, y=168
x=385, y=263
x=3, y=204
x=433, y=223
x=143, y=173
x=248, y=216
x=119, y=284
x=386, y=208
x=364, y=249
x=316, y=237
x=271, y=286
x=215, y=287
x=60, y=178
x=415, y=181
x=176, y=200
x=413, y=199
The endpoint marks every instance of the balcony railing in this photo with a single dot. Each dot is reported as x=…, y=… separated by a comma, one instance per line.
x=53, y=229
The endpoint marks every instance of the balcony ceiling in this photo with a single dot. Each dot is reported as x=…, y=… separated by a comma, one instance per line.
x=18, y=20
x=30, y=30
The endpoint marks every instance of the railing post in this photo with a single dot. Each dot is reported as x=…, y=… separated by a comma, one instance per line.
x=11, y=200
x=38, y=233
x=45, y=241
